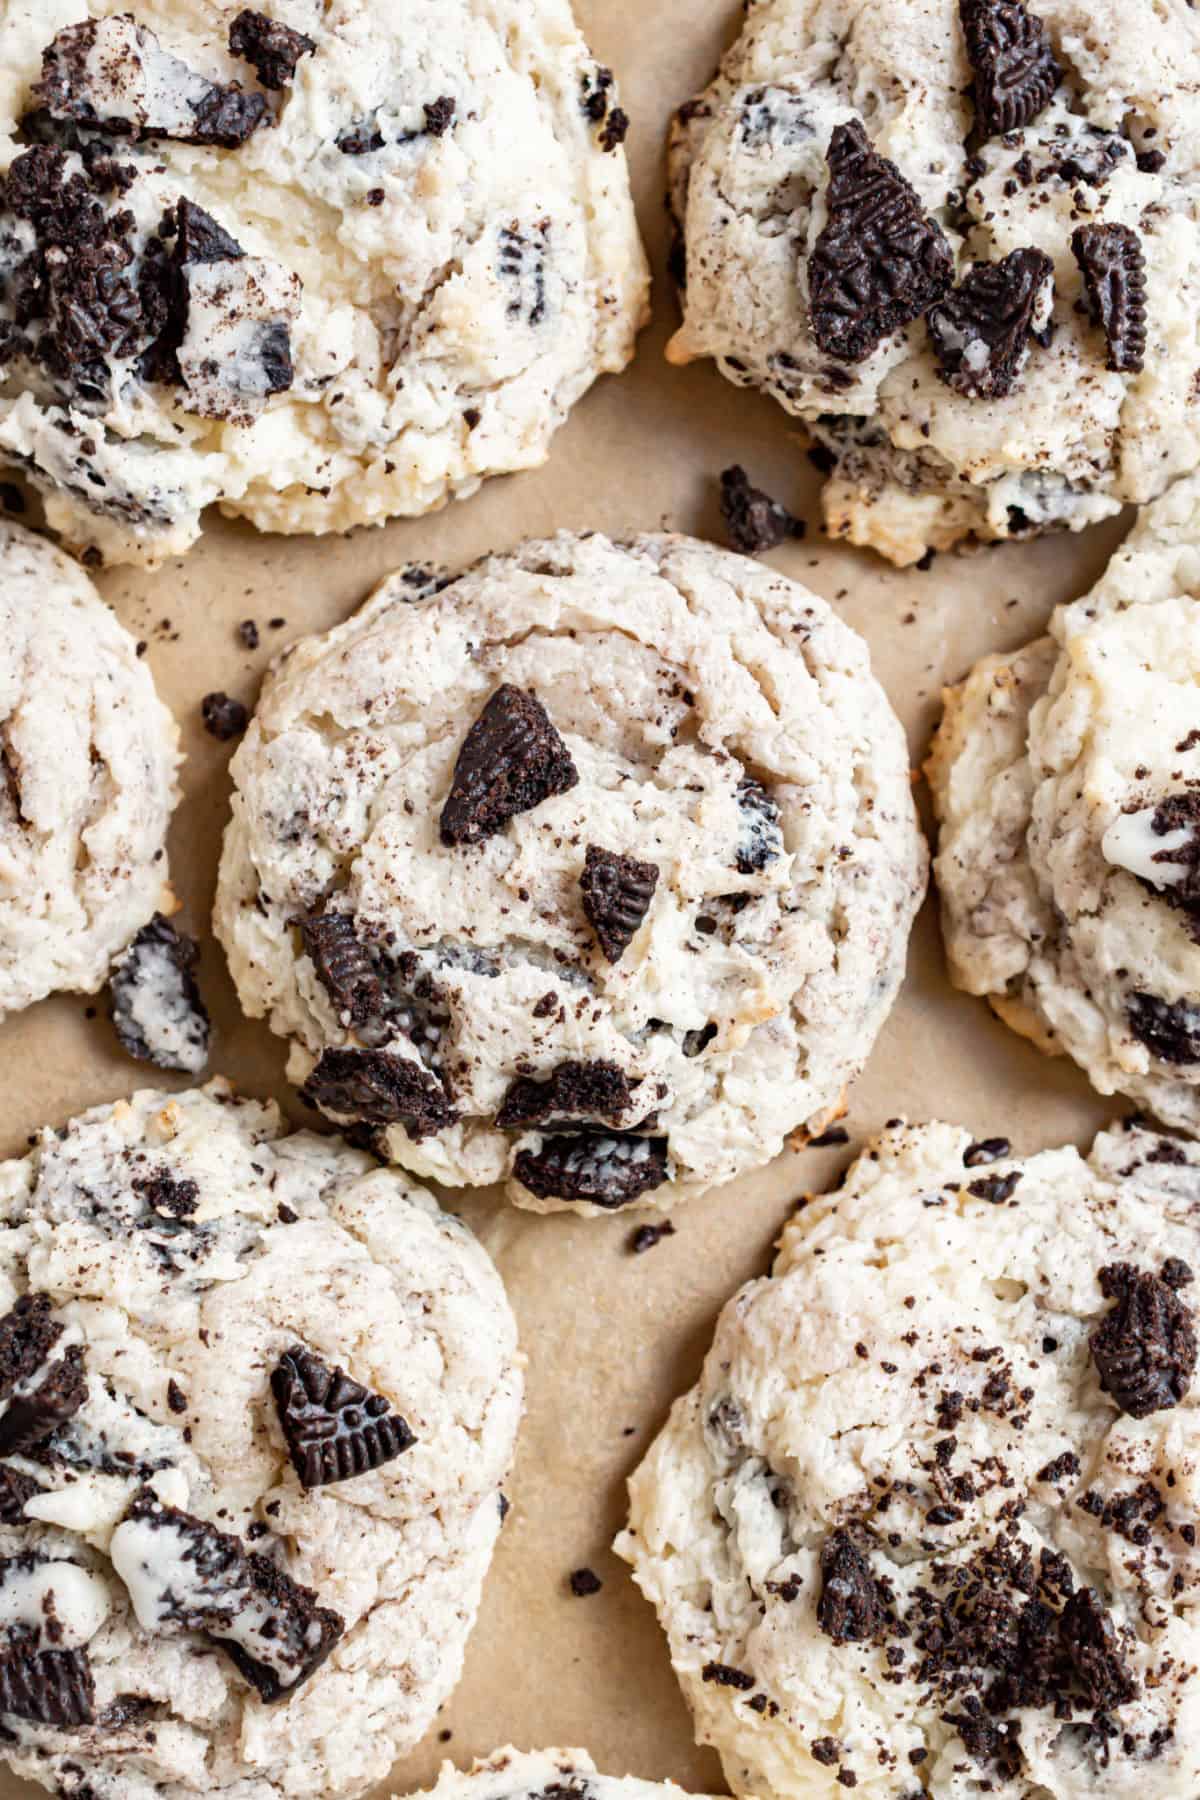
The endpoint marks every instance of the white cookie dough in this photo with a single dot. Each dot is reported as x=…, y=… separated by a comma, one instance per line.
x=1066, y=777
x=186, y=1243
x=919, y=465
x=916, y=1380
x=88, y=760
x=532, y=1775
x=428, y=253
x=753, y=982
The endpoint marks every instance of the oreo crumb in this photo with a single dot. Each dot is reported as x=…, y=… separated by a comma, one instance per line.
x=584, y=1582
x=334, y=1427
x=271, y=49
x=223, y=718
x=647, y=1236
x=512, y=759
x=155, y=1004
x=1145, y=1349
x=606, y=1169
x=753, y=520
x=1015, y=70
x=617, y=891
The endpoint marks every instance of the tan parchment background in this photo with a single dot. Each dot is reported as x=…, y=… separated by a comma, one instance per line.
x=610, y=1338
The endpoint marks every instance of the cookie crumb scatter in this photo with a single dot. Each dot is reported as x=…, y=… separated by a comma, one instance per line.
x=247, y=633
x=754, y=522
x=647, y=1236
x=223, y=717
x=584, y=1582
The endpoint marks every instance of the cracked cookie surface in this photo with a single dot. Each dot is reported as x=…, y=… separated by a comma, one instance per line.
x=533, y=1775
x=1063, y=132
x=216, y=1575
x=1066, y=779
x=928, y=1519
x=671, y=915
x=321, y=264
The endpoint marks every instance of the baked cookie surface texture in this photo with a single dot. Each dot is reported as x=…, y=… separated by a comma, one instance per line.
x=520, y=1775
x=592, y=872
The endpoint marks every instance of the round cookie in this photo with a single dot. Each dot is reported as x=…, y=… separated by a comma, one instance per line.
x=927, y=1522
x=323, y=263
x=593, y=871
x=531, y=1775
x=88, y=758
x=257, y=1397
x=1066, y=777
x=961, y=242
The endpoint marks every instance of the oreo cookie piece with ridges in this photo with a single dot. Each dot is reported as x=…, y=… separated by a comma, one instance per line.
x=378, y=1087
x=48, y=1687
x=1015, y=69
x=335, y=1428
x=511, y=760
x=880, y=261
x=1113, y=265
x=1145, y=1350
x=40, y=1389
x=982, y=332
x=617, y=891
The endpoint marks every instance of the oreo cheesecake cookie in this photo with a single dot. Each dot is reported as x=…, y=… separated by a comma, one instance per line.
x=563, y=1774
x=960, y=240
x=321, y=264
x=1066, y=778
x=591, y=872
x=88, y=761
x=927, y=1522
x=257, y=1397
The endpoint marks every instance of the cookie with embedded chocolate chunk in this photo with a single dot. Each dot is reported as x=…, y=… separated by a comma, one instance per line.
x=610, y=912
x=258, y=1397
x=542, y=1775
x=935, y=1483
x=142, y=384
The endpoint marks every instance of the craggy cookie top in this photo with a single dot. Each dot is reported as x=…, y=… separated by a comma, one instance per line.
x=1067, y=780
x=88, y=755
x=961, y=240
x=257, y=1397
x=322, y=261
x=927, y=1523
x=539, y=1775
x=592, y=871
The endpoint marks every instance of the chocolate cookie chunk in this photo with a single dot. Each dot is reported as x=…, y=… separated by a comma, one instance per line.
x=617, y=891
x=48, y=1687
x=1170, y=1029
x=440, y=115
x=33, y=1408
x=1113, y=267
x=511, y=760
x=1092, y=1649
x=982, y=331
x=761, y=840
x=848, y=1610
x=156, y=1008
x=377, y=1087
x=273, y=50
x=1015, y=69
x=335, y=1428
x=753, y=520
x=879, y=262
x=343, y=967
x=15, y=1489
x=223, y=717
x=1145, y=1349
x=576, y=1090
x=605, y=1168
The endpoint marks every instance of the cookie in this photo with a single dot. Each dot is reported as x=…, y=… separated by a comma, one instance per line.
x=88, y=760
x=591, y=872
x=257, y=1398
x=322, y=264
x=562, y=1774
x=1065, y=777
x=927, y=1522
x=960, y=240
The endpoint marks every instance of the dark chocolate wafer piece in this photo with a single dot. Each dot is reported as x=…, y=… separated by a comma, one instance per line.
x=335, y=1428
x=512, y=759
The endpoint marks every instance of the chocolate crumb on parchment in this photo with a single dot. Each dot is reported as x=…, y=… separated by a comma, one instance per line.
x=224, y=718
x=606, y=1168
x=983, y=330
x=511, y=759
x=574, y=1091
x=1113, y=267
x=247, y=633
x=647, y=1236
x=155, y=1004
x=378, y=1087
x=335, y=1428
x=343, y=965
x=879, y=261
x=584, y=1582
x=753, y=520
x=617, y=891
x=48, y=1687
x=1145, y=1348
x=1014, y=67
x=273, y=50
x=33, y=1409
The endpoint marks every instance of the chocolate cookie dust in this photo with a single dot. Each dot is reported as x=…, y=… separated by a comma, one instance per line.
x=753, y=521
x=617, y=891
x=48, y=1687
x=271, y=49
x=223, y=717
x=378, y=1087
x=1113, y=267
x=1014, y=68
x=880, y=261
x=647, y=1236
x=608, y=1169
x=155, y=1004
x=1145, y=1350
x=584, y=1582
x=575, y=1091
x=982, y=332
x=512, y=759
x=33, y=1407
x=335, y=1428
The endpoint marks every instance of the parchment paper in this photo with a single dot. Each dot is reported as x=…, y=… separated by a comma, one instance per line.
x=610, y=1338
